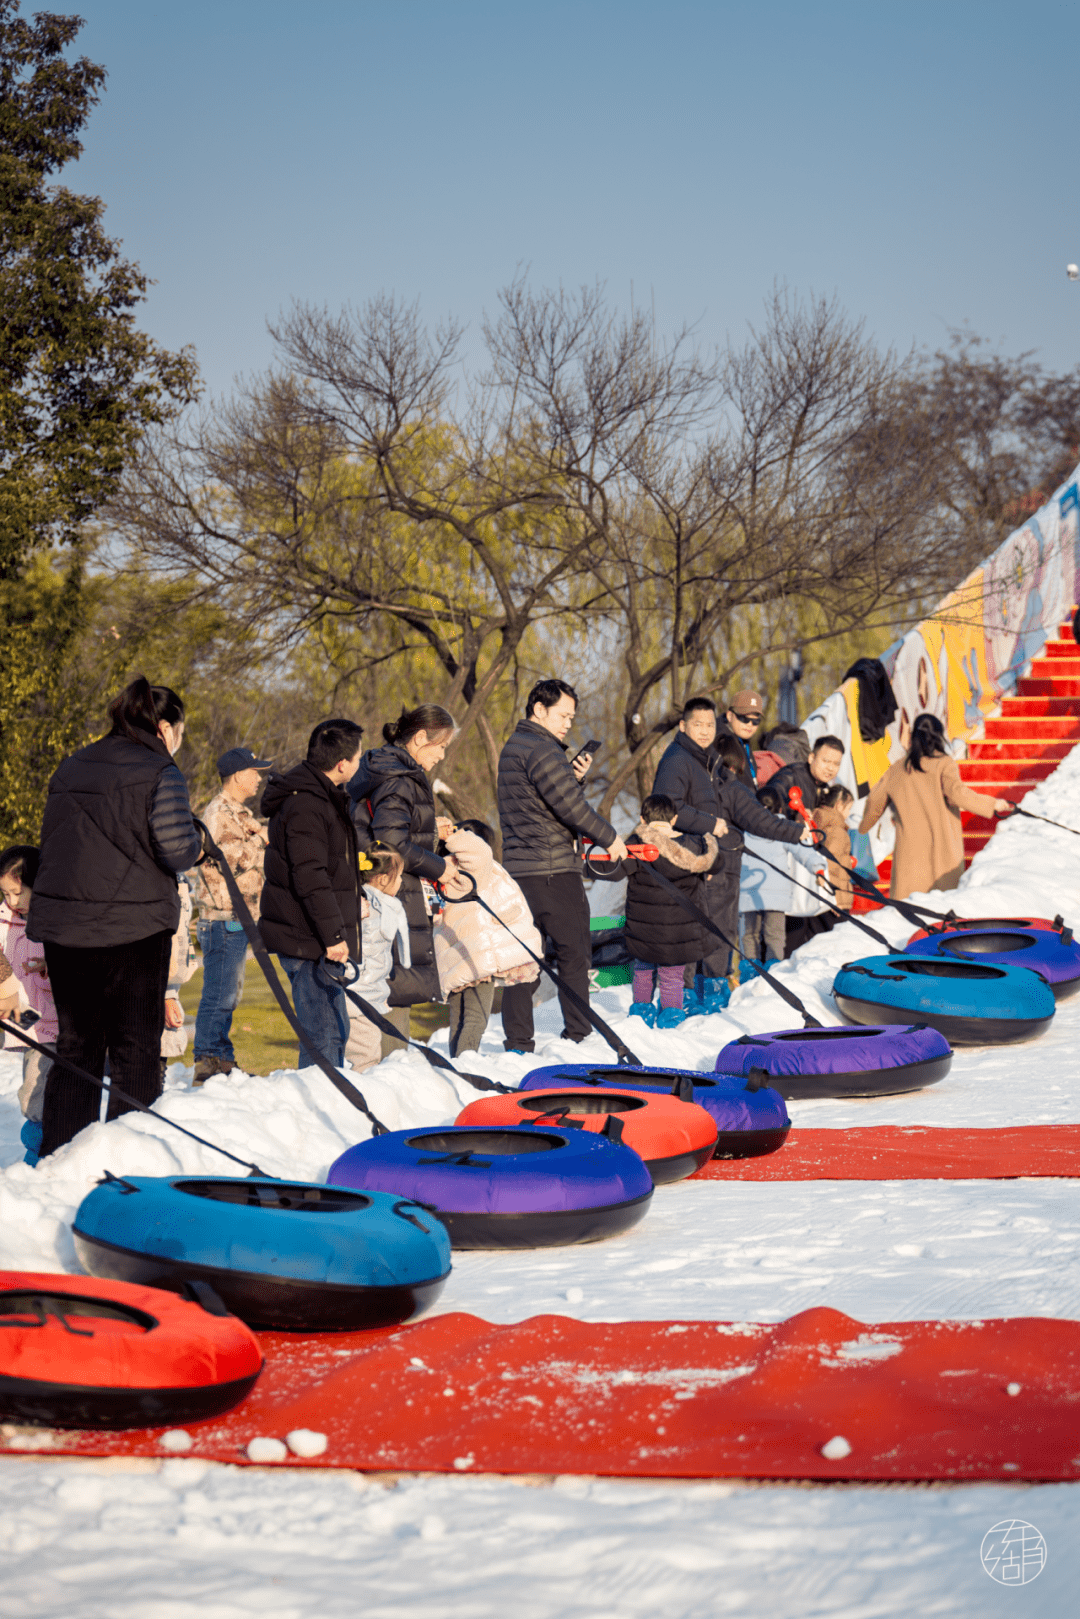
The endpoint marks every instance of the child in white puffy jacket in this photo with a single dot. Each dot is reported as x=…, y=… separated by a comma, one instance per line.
x=382, y=924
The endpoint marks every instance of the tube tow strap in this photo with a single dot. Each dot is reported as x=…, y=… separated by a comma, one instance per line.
x=269, y=971
x=1031, y=816
x=114, y=1090
x=337, y=971
x=784, y=993
x=620, y=1048
x=917, y=915
x=838, y=910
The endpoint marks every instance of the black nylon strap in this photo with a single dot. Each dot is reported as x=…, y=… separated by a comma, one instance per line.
x=269, y=971
x=114, y=1089
x=384, y=1026
x=621, y=1049
x=845, y=916
x=784, y=993
x=915, y=914
x=1031, y=816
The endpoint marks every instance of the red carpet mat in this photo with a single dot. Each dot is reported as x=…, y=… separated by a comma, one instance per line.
x=818, y=1396
x=907, y=1153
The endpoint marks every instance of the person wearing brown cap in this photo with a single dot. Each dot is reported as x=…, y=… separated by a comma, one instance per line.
x=223, y=942
x=741, y=721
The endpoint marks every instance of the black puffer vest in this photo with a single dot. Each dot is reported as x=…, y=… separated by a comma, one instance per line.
x=98, y=882
x=395, y=806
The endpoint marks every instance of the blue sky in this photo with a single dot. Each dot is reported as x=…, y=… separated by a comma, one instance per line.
x=919, y=161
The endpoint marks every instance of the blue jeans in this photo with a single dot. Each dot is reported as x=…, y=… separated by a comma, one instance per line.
x=321, y=1009
x=224, y=951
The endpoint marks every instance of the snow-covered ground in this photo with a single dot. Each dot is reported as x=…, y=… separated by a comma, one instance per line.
x=162, y=1540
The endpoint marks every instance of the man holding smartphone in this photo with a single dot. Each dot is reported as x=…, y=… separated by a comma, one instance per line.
x=543, y=810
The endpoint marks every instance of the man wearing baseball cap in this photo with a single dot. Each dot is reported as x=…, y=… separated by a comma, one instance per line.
x=741, y=721
x=242, y=840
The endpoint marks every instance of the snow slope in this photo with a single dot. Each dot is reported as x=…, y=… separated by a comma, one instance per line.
x=91, y=1538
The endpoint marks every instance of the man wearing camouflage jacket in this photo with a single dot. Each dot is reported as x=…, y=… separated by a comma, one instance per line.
x=242, y=840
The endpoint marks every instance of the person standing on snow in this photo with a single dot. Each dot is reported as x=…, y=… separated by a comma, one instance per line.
x=222, y=940
x=311, y=896
x=710, y=798
x=543, y=810
x=820, y=770
x=927, y=796
x=117, y=829
x=394, y=805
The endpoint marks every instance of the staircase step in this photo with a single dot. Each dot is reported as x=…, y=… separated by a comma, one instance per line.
x=1030, y=749
x=978, y=773
x=1056, y=666
x=1047, y=728
x=1046, y=686
x=1065, y=631
x=1042, y=705
x=1062, y=648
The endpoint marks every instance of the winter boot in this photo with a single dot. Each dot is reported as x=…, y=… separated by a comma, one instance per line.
x=669, y=1017
x=645, y=1010
x=205, y=1068
x=714, y=993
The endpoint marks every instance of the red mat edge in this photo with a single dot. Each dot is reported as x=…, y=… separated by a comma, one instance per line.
x=254, y=1417
x=911, y=1152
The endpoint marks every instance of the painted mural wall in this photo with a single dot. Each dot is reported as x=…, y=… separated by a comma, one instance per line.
x=960, y=662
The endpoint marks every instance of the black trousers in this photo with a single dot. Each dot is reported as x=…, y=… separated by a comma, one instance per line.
x=561, y=912
x=720, y=899
x=110, y=999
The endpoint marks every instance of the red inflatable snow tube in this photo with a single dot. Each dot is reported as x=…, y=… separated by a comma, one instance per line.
x=674, y=1138
x=1041, y=924
x=79, y=1352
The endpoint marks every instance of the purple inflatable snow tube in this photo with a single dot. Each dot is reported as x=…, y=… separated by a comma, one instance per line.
x=865, y=1060
x=507, y=1187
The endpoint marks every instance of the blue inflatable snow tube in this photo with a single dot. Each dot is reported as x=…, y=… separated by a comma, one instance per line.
x=290, y=1256
x=1007, y=945
x=518, y=1186
x=816, y=1063
x=750, y=1116
x=969, y=1002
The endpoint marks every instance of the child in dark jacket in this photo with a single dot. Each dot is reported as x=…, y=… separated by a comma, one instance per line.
x=662, y=936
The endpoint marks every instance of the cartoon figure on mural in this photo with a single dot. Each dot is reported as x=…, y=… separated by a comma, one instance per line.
x=1023, y=594
x=915, y=684
x=973, y=715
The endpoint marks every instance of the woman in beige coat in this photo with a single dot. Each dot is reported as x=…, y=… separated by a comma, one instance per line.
x=927, y=795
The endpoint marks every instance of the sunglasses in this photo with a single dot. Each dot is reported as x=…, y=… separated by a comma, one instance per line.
x=747, y=719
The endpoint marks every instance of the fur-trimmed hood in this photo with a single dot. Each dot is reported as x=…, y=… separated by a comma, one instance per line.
x=671, y=846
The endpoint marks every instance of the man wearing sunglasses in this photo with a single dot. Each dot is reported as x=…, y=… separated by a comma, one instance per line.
x=741, y=721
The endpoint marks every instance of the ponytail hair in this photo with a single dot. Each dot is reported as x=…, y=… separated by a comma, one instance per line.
x=428, y=717
x=141, y=708
x=927, y=741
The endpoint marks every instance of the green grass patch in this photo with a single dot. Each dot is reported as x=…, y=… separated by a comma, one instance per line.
x=260, y=1034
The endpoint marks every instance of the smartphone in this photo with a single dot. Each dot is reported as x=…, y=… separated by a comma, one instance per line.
x=589, y=748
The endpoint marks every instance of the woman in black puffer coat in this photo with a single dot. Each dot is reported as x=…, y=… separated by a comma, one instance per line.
x=117, y=829
x=393, y=804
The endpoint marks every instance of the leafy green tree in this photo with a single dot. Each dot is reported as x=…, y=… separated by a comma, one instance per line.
x=78, y=382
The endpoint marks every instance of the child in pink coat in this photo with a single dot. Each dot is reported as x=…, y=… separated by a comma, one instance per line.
x=18, y=869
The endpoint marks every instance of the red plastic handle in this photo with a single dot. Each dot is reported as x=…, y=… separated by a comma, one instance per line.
x=795, y=799
x=636, y=851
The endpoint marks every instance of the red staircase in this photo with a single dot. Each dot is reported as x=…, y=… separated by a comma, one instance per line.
x=1025, y=744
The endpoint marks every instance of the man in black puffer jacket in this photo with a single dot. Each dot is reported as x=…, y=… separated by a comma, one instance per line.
x=711, y=799
x=311, y=897
x=543, y=811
